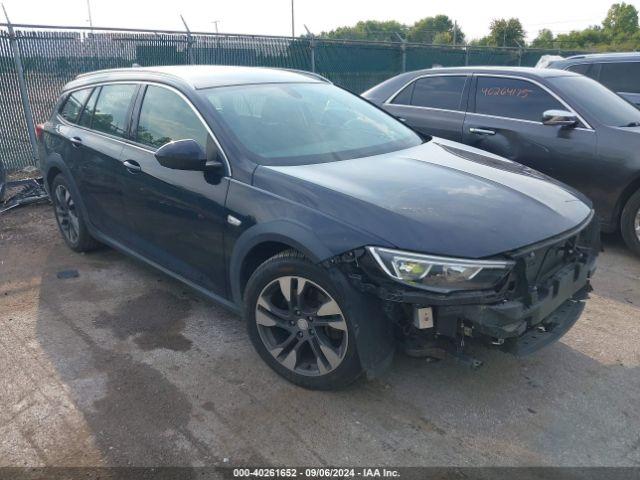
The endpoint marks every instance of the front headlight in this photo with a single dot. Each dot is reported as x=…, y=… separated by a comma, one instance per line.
x=440, y=274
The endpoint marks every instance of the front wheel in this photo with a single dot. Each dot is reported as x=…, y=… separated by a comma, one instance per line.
x=300, y=324
x=630, y=223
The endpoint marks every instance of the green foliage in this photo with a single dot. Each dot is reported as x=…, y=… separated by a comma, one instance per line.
x=619, y=32
x=438, y=29
x=505, y=33
x=369, y=30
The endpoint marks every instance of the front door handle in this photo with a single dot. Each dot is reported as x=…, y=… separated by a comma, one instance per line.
x=402, y=119
x=481, y=131
x=76, y=141
x=132, y=166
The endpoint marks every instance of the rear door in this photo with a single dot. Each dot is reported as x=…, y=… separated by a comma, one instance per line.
x=505, y=118
x=104, y=123
x=433, y=104
x=178, y=217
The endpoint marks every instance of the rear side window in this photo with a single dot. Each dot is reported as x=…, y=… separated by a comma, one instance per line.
x=443, y=92
x=165, y=116
x=513, y=98
x=588, y=69
x=74, y=104
x=621, y=77
x=87, y=114
x=404, y=97
x=111, y=109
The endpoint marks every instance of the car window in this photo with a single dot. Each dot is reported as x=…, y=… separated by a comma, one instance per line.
x=165, y=116
x=111, y=109
x=404, y=97
x=621, y=77
x=87, y=114
x=513, y=98
x=438, y=92
x=595, y=99
x=73, y=104
x=303, y=123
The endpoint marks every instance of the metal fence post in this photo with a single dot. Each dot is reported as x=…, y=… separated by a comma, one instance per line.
x=22, y=85
x=403, y=47
x=189, y=41
x=312, y=44
x=466, y=55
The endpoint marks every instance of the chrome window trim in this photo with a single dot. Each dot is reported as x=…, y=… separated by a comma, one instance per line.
x=535, y=82
x=136, y=144
x=523, y=120
x=426, y=108
x=389, y=100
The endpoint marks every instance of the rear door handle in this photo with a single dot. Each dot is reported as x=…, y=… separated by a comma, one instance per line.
x=76, y=141
x=402, y=119
x=481, y=131
x=132, y=166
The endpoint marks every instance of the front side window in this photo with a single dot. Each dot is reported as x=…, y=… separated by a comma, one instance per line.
x=513, y=98
x=621, y=77
x=444, y=92
x=588, y=69
x=165, y=116
x=112, y=108
x=596, y=100
x=302, y=123
x=74, y=104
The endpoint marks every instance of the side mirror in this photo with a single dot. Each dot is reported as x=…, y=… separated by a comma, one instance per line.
x=560, y=118
x=182, y=155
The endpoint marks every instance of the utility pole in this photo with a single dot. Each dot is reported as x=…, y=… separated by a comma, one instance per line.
x=89, y=11
x=455, y=32
x=215, y=23
x=293, y=27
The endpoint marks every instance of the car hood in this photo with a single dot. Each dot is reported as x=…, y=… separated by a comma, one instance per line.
x=441, y=197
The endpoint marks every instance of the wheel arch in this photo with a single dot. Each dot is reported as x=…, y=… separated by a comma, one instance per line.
x=55, y=166
x=262, y=241
x=626, y=194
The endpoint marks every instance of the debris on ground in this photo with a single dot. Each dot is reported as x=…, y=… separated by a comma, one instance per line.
x=22, y=189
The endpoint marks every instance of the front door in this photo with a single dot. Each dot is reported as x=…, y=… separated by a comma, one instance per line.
x=505, y=118
x=177, y=217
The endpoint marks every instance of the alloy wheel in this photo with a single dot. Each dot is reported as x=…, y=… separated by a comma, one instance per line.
x=302, y=326
x=66, y=214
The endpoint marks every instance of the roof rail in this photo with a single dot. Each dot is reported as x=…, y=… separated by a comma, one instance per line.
x=105, y=70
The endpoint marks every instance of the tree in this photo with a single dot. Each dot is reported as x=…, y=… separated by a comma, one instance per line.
x=369, y=30
x=506, y=33
x=589, y=38
x=544, y=39
x=438, y=29
x=621, y=21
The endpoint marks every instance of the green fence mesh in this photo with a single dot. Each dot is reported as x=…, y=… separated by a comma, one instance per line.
x=53, y=56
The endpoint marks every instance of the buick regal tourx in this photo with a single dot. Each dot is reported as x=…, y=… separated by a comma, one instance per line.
x=336, y=231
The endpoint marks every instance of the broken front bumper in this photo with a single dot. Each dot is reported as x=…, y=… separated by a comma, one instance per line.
x=539, y=302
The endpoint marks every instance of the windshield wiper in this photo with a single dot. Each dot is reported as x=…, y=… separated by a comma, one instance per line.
x=632, y=124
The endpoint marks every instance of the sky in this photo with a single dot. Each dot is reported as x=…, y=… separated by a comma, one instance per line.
x=273, y=17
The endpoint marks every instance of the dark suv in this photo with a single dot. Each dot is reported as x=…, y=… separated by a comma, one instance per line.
x=619, y=72
x=333, y=228
x=561, y=123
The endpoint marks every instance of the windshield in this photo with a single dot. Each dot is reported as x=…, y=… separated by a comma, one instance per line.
x=302, y=123
x=600, y=102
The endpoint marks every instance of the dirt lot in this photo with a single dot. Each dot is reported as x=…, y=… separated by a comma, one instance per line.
x=124, y=366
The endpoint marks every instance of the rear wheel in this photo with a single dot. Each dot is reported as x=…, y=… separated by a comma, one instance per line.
x=630, y=223
x=300, y=325
x=69, y=218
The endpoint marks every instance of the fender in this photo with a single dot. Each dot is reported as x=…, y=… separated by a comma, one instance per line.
x=56, y=161
x=288, y=232
x=373, y=331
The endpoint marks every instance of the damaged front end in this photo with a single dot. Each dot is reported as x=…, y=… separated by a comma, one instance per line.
x=520, y=302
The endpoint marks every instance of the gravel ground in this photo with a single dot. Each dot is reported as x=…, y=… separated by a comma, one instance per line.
x=124, y=366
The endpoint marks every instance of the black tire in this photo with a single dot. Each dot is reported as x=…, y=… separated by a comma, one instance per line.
x=295, y=267
x=70, y=221
x=630, y=223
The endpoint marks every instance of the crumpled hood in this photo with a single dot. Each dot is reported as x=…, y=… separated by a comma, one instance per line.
x=442, y=198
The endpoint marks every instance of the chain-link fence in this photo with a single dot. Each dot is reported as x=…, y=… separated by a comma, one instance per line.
x=51, y=56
